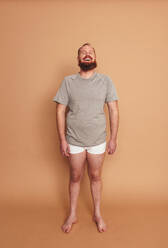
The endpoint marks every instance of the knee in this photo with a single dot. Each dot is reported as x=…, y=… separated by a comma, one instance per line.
x=75, y=177
x=95, y=177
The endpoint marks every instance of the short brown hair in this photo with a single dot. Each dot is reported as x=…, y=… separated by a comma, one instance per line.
x=88, y=44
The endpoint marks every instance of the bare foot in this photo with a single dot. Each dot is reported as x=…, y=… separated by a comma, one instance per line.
x=71, y=219
x=100, y=223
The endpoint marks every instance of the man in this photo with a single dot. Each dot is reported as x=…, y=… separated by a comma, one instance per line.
x=85, y=139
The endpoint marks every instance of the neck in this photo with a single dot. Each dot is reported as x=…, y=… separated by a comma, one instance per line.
x=86, y=74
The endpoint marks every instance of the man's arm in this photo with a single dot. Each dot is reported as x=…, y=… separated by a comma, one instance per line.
x=114, y=124
x=60, y=122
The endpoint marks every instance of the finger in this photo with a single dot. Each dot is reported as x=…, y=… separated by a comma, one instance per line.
x=68, y=149
x=111, y=151
x=114, y=149
x=66, y=154
x=63, y=153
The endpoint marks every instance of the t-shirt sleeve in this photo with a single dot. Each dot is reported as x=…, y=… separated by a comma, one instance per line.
x=62, y=95
x=111, y=93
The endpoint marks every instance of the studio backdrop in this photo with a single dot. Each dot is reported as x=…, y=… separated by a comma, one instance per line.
x=39, y=43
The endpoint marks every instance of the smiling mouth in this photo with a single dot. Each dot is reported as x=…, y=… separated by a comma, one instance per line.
x=87, y=59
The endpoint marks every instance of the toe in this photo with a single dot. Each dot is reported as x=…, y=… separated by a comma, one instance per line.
x=100, y=228
x=104, y=228
x=68, y=228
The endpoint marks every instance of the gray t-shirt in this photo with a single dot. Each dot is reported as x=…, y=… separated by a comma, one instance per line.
x=86, y=120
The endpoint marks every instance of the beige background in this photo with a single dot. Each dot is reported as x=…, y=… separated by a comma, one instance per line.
x=39, y=42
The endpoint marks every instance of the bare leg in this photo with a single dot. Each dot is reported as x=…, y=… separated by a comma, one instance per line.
x=77, y=162
x=95, y=163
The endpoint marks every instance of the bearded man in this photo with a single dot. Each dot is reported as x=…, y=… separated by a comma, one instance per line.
x=82, y=133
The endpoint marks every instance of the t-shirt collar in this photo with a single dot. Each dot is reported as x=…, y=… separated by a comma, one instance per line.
x=87, y=79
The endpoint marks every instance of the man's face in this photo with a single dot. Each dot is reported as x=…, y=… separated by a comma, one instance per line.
x=87, y=58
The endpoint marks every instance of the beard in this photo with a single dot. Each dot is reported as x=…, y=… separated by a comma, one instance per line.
x=87, y=66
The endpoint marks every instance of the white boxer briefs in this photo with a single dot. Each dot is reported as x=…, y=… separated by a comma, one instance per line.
x=98, y=149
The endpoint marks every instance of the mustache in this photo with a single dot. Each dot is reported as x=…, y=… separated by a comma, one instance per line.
x=87, y=56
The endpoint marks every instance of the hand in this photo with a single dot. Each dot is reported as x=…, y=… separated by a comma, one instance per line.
x=111, y=146
x=65, y=149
